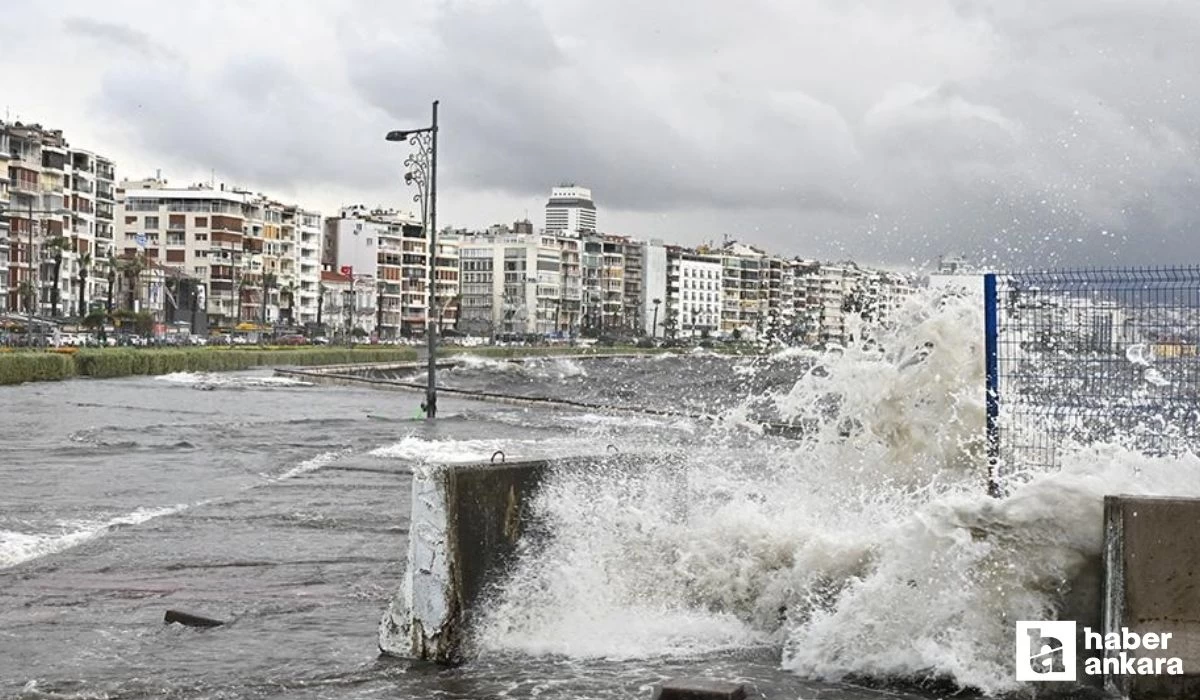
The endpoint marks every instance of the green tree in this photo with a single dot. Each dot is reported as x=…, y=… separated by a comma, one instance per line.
x=26, y=293
x=320, y=302
x=85, y=264
x=110, y=276
x=95, y=321
x=289, y=292
x=132, y=268
x=58, y=244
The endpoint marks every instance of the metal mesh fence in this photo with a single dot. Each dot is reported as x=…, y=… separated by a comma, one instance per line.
x=1085, y=356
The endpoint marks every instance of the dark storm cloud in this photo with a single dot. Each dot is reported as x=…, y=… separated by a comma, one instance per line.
x=1029, y=131
x=253, y=121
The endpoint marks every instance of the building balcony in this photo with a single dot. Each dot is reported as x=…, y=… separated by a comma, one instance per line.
x=22, y=186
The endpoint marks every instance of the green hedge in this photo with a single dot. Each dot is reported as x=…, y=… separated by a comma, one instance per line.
x=17, y=367
x=20, y=367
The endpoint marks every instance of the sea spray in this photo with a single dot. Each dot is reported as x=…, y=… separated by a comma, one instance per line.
x=950, y=580
x=868, y=547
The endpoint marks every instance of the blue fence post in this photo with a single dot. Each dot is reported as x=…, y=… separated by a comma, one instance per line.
x=992, y=373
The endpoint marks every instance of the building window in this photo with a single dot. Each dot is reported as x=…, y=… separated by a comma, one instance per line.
x=152, y=222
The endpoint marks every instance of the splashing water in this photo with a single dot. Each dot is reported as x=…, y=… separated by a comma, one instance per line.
x=866, y=548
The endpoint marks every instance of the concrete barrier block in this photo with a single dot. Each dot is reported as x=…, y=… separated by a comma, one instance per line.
x=699, y=689
x=466, y=523
x=1152, y=585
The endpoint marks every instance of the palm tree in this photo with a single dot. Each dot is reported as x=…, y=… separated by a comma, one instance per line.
x=289, y=291
x=268, y=281
x=133, y=268
x=57, y=244
x=111, y=277
x=320, y=301
x=85, y=264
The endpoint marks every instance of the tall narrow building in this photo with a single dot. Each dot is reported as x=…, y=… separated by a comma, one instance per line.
x=570, y=209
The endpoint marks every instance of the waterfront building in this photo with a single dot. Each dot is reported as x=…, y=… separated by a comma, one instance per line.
x=695, y=294
x=511, y=284
x=57, y=208
x=347, y=306
x=391, y=248
x=255, y=260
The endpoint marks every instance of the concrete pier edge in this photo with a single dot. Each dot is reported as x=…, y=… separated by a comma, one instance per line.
x=466, y=523
x=1152, y=585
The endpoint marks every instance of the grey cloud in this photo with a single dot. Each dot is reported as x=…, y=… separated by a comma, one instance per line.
x=113, y=36
x=1015, y=130
x=255, y=122
x=1024, y=131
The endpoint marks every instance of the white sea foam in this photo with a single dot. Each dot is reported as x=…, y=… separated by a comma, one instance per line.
x=19, y=547
x=867, y=548
x=213, y=380
x=413, y=448
x=312, y=464
x=485, y=364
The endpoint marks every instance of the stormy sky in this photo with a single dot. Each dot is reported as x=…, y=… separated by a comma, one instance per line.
x=1020, y=132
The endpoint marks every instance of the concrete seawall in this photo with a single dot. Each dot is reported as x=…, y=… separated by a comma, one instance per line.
x=467, y=522
x=1152, y=585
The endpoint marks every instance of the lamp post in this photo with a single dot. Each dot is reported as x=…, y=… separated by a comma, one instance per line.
x=654, y=325
x=422, y=171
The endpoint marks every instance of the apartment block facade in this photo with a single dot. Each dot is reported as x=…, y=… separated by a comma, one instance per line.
x=694, y=283
x=58, y=209
x=254, y=260
x=390, y=250
x=512, y=284
x=5, y=248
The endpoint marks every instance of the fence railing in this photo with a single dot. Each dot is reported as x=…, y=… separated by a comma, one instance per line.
x=1076, y=357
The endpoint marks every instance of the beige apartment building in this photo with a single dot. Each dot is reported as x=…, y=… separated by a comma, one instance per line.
x=255, y=260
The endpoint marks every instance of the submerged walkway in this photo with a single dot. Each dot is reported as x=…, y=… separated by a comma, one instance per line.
x=352, y=375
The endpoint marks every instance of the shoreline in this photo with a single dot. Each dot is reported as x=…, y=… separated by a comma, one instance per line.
x=21, y=366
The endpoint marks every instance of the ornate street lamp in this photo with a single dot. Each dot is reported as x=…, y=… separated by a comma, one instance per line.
x=422, y=172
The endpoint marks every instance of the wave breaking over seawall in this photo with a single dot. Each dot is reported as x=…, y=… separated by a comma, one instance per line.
x=866, y=548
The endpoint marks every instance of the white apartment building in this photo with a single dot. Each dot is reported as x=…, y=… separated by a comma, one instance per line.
x=305, y=229
x=570, y=209
x=694, y=282
x=59, y=214
x=391, y=248
x=511, y=284
x=347, y=305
